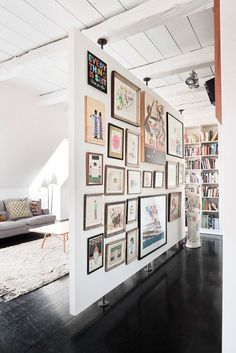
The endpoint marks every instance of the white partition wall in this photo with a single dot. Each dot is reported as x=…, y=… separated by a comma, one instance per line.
x=86, y=289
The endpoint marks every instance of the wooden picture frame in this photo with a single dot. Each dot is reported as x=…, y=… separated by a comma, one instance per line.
x=94, y=169
x=131, y=245
x=114, y=247
x=156, y=179
x=132, y=152
x=175, y=132
x=115, y=142
x=114, y=173
x=145, y=183
x=115, y=218
x=93, y=210
x=95, y=253
x=133, y=182
x=95, y=121
x=132, y=210
x=171, y=168
x=174, y=206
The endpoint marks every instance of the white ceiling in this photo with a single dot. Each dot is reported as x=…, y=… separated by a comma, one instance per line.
x=25, y=24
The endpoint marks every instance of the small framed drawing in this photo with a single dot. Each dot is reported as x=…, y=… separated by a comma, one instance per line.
x=114, y=180
x=115, y=254
x=133, y=182
x=94, y=121
x=158, y=179
x=147, y=179
x=132, y=148
x=175, y=136
x=124, y=99
x=95, y=253
x=181, y=174
x=171, y=175
x=115, y=142
x=132, y=211
x=115, y=220
x=94, y=168
x=174, y=206
x=131, y=245
x=93, y=211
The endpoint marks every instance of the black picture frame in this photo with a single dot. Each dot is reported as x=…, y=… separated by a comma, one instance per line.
x=179, y=195
x=100, y=86
x=127, y=208
x=88, y=252
x=110, y=204
x=170, y=116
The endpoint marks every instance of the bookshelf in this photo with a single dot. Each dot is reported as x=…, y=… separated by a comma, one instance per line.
x=202, y=173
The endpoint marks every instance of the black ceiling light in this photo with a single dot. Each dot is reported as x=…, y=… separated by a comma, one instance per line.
x=192, y=80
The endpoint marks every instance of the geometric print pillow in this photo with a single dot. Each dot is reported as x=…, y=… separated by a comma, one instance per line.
x=18, y=209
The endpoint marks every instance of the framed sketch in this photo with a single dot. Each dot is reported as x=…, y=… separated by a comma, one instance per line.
x=124, y=99
x=152, y=223
x=115, y=142
x=147, y=179
x=93, y=211
x=172, y=178
x=133, y=182
x=95, y=253
x=131, y=245
x=115, y=220
x=115, y=254
x=175, y=136
x=153, y=130
x=94, y=121
x=158, y=179
x=181, y=174
x=114, y=180
x=132, y=148
x=132, y=211
x=174, y=206
x=97, y=73
x=94, y=168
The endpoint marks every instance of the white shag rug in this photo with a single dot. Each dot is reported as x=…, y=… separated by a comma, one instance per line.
x=25, y=267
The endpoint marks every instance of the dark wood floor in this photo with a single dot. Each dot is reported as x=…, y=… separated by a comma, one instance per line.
x=176, y=308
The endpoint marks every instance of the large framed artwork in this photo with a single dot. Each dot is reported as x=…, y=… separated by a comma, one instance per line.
x=115, y=254
x=115, y=142
x=97, y=73
x=153, y=130
x=114, y=180
x=131, y=245
x=175, y=136
x=132, y=211
x=132, y=148
x=172, y=179
x=124, y=99
x=115, y=221
x=94, y=121
x=152, y=223
x=174, y=211
x=133, y=182
x=94, y=168
x=93, y=211
x=95, y=253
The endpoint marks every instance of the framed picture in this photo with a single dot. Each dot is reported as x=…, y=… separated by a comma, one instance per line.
x=152, y=223
x=115, y=254
x=175, y=136
x=131, y=245
x=172, y=175
x=115, y=142
x=158, y=179
x=114, y=180
x=97, y=73
x=181, y=174
x=93, y=211
x=147, y=179
x=94, y=168
x=132, y=148
x=95, y=253
x=133, y=182
x=174, y=206
x=115, y=218
x=124, y=99
x=132, y=211
x=94, y=121
x=153, y=130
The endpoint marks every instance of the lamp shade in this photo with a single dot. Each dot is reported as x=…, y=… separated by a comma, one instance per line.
x=53, y=179
x=44, y=183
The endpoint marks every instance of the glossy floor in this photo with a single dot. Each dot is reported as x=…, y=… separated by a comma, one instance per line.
x=174, y=309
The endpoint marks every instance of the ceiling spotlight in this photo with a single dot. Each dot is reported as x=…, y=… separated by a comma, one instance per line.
x=192, y=80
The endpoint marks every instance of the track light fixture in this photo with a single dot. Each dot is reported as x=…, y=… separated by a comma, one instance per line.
x=192, y=80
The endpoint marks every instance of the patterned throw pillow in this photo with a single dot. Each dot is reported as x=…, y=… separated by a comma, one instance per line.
x=18, y=209
x=3, y=216
x=36, y=208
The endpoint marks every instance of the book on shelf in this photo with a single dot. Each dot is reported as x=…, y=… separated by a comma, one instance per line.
x=210, y=177
x=210, y=191
x=209, y=163
x=208, y=150
x=210, y=222
x=192, y=178
x=191, y=138
x=208, y=136
x=191, y=151
x=195, y=164
x=208, y=205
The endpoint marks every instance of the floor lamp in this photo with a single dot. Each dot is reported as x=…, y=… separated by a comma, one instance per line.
x=53, y=182
x=45, y=185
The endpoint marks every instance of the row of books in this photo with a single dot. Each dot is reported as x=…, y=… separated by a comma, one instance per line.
x=195, y=164
x=192, y=178
x=209, y=149
x=195, y=189
x=209, y=163
x=207, y=136
x=192, y=151
x=208, y=205
x=210, y=191
x=210, y=177
x=210, y=222
x=191, y=138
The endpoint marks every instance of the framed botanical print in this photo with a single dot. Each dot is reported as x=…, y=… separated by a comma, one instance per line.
x=152, y=223
x=124, y=99
x=95, y=253
x=131, y=245
x=172, y=178
x=115, y=142
x=153, y=130
x=181, y=174
x=174, y=206
x=94, y=168
x=115, y=254
x=133, y=182
x=93, y=211
x=158, y=179
x=114, y=180
x=94, y=121
x=132, y=148
x=147, y=179
x=132, y=211
x=115, y=221
x=175, y=136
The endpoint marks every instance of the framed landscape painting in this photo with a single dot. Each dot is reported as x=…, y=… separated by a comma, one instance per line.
x=174, y=206
x=115, y=142
x=172, y=179
x=124, y=99
x=153, y=130
x=93, y=211
x=94, y=121
x=115, y=254
x=131, y=245
x=133, y=182
x=115, y=221
x=132, y=148
x=132, y=211
x=152, y=223
x=114, y=180
x=95, y=253
x=94, y=168
x=175, y=136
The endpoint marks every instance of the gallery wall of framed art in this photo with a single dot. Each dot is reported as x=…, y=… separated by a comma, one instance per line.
x=118, y=140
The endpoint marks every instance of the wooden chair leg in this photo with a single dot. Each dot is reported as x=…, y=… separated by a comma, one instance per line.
x=44, y=239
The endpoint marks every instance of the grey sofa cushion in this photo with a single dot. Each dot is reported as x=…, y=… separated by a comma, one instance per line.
x=18, y=209
x=12, y=224
x=40, y=220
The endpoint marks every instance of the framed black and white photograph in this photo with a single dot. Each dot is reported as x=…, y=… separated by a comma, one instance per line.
x=115, y=142
x=132, y=148
x=175, y=136
x=172, y=178
x=132, y=211
x=133, y=182
x=114, y=180
x=159, y=178
x=95, y=253
x=115, y=254
x=147, y=179
x=131, y=245
x=93, y=211
x=94, y=168
x=115, y=218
